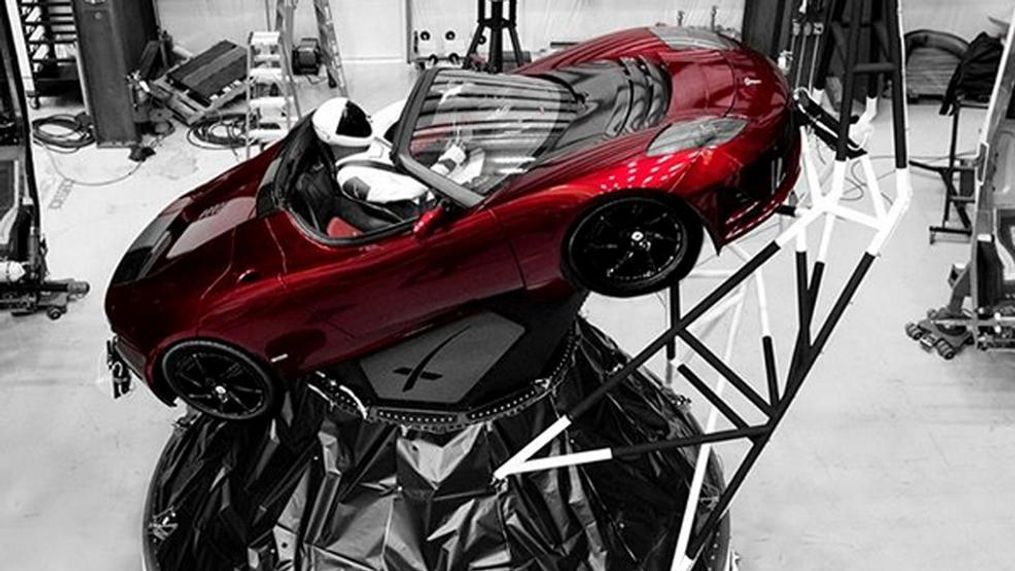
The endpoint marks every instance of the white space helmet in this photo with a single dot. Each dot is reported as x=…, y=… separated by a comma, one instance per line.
x=341, y=123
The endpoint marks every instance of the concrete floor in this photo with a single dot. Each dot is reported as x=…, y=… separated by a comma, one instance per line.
x=890, y=459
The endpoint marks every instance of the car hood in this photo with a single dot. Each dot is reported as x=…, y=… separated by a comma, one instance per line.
x=158, y=286
x=199, y=221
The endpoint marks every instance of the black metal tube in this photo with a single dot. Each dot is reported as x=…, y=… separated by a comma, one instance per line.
x=803, y=337
x=792, y=389
x=768, y=349
x=849, y=78
x=840, y=304
x=724, y=370
x=497, y=36
x=480, y=27
x=711, y=396
x=671, y=346
x=815, y=286
x=726, y=497
x=697, y=311
x=826, y=44
x=751, y=432
x=898, y=89
x=798, y=376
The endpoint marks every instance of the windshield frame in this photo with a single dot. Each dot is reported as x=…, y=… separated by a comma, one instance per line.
x=403, y=159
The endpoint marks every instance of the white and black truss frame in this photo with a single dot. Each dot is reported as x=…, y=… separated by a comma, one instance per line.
x=817, y=208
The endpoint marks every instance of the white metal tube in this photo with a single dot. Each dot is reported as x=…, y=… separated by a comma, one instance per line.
x=707, y=322
x=838, y=186
x=532, y=447
x=853, y=215
x=798, y=227
x=705, y=450
x=759, y=286
x=711, y=274
x=563, y=461
x=870, y=110
x=848, y=214
x=810, y=171
x=759, y=289
x=873, y=188
x=904, y=193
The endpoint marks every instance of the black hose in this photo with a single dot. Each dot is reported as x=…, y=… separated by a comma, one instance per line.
x=224, y=131
x=62, y=131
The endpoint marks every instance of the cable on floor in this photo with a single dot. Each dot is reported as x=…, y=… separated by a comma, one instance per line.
x=63, y=132
x=219, y=132
x=64, y=176
x=100, y=183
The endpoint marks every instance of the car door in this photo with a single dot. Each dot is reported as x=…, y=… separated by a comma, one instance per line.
x=365, y=294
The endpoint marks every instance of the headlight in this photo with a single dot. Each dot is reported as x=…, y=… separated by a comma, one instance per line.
x=696, y=134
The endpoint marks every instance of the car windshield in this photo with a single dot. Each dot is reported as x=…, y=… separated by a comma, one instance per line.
x=478, y=129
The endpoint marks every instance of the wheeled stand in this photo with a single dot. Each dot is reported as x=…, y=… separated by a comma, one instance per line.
x=958, y=199
x=987, y=281
x=496, y=23
x=51, y=297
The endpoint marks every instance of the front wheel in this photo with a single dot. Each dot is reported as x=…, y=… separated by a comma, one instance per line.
x=219, y=380
x=633, y=245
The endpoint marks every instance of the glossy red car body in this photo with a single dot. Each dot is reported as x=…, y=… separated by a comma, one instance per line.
x=259, y=282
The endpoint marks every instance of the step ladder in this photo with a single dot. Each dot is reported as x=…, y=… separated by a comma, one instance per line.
x=272, y=103
x=285, y=12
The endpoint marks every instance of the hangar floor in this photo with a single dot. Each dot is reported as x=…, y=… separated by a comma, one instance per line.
x=890, y=459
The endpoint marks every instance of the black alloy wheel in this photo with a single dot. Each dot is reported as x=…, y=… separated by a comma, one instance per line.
x=218, y=380
x=633, y=246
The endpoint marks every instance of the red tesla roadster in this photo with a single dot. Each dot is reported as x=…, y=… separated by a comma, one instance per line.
x=599, y=168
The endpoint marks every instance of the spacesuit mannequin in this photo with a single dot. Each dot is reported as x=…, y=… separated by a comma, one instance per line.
x=363, y=159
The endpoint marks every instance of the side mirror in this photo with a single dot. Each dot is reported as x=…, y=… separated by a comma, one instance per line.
x=430, y=221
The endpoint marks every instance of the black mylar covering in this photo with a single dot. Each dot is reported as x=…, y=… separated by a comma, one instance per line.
x=314, y=488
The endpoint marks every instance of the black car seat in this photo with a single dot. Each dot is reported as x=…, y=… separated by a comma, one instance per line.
x=318, y=202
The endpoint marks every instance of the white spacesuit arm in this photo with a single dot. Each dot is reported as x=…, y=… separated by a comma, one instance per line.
x=458, y=165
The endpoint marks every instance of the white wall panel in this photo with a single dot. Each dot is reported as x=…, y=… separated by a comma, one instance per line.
x=543, y=21
x=963, y=17
x=367, y=29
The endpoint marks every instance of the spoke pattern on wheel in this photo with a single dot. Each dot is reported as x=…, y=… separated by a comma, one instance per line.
x=651, y=262
x=623, y=260
x=631, y=241
x=218, y=383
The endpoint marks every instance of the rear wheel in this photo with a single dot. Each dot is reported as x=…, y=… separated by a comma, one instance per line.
x=219, y=380
x=633, y=245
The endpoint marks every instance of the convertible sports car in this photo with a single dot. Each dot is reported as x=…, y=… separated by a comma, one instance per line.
x=598, y=168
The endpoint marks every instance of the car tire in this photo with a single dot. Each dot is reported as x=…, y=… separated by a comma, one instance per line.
x=632, y=245
x=218, y=380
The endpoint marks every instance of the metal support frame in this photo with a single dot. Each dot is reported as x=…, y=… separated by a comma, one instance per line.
x=33, y=290
x=50, y=34
x=496, y=22
x=989, y=321
x=957, y=199
x=818, y=209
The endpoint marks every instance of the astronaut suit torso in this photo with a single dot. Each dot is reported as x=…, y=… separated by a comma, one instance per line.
x=370, y=175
